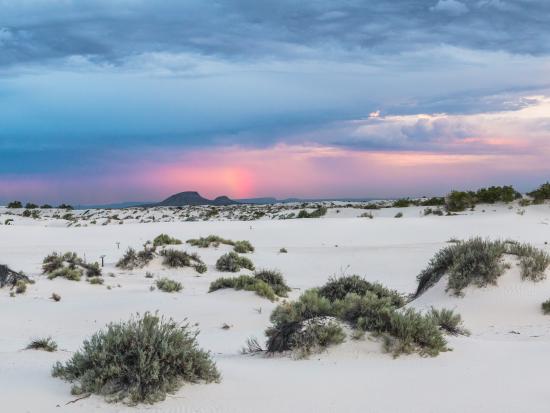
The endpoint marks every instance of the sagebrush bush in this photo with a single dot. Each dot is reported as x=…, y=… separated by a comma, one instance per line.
x=168, y=286
x=244, y=282
x=69, y=266
x=164, y=239
x=138, y=361
x=46, y=344
x=20, y=286
x=205, y=242
x=132, y=259
x=177, y=259
x=338, y=288
x=233, y=262
x=275, y=280
x=480, y=262
x=243, y=247
x=72, y=274
x=403, y=331
x=316, y=334
x=449, y=321
x=546, y=307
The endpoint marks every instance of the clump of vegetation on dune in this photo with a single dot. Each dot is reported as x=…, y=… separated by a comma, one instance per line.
x=233, y=262
x=316, y=320
x=175, y=259
x=541, y=194
x=138, y=361
x=265, y=283
x=480, y=262
x=164, y=239
x=70, y=266
x=13, y=279
x=214, y=240
x=45, y=344
x=457, y=201
x=132, y=259
x=546, y=307
x=317, y=213
x=169, y=286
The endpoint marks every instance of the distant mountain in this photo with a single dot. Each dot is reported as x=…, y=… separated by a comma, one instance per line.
x=194, y=198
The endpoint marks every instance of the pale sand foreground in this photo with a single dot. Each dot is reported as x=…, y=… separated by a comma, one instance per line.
x=492, y=370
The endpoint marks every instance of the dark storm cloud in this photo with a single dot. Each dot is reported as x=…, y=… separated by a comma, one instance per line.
x=111, y=31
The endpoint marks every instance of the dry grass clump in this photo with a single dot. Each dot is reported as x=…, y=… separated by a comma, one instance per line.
x=45, y=344
x=176, y=259
x=138, y=361
x=132, y=259
x=480, y=262
x=69, y=266
x=448, y=321
x=242, y=247
x=205, y=242
x=164, y=239
x=169, y=286
x=233, y=262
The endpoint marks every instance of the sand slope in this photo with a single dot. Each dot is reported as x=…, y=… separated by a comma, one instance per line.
x=492, y=370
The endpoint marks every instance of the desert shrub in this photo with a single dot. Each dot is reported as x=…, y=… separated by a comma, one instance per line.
x=56, y=297
x=399, y=215
x=533, y=261
x=497, y=194
x=403, y=331
x=458, y=201
x=434, y=201
x=275, y=280
x=45, y=206
x=46, y=344
x=316, y=334
x=176, y=259
x=546, y=307
x=366, y=215
x=15, y=204
x=132, y=259
x=480, y=262
x=338, y=288
x=20, y=286
x=30, y=205
x=244, y=282
x=169, y=286
x=26, y=213
x=449, y=321
x=138, y=361
x=205, y=242
x=65, y=206
x=95, y=280
x=243, y=247
x=164, y=239
x=72, y=274
x=541, y=193
x=401, y=203
x=317, y=213
x=410, y=331
x=233, y=262
x=283, y=250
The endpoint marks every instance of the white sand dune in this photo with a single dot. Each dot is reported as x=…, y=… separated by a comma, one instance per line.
x=501, y=367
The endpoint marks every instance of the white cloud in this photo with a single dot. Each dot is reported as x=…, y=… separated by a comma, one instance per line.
x=453, y=7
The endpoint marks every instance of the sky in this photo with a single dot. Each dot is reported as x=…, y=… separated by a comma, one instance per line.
x=131, y=100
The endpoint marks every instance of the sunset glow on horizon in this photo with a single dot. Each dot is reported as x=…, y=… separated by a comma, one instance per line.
x=326, y=108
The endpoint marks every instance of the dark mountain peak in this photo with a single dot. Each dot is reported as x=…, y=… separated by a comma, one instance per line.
x=194, y=198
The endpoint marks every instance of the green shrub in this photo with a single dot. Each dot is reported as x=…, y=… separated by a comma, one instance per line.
x=15, y=205
x=243, y=247
x=169, y=286
x=338, y=288
x=283, y=250
x=95, y=280
x=164, y=239
x=480, y=262
x=541, y=193
x=69, y=266
x=315, y=335
x=244, y=282
x=546, y=307
x=401, y=203
x=72, y=274
x=497, y=194
x=46, y=344
x=138, y=361
x=205, y=242
x=132, y=259
x=30, y=205
x=399, y=215
x=458, y=201
x=317, y=213
x=20, y=286
x=233, y=262
x=177, y=259
x=275, y=280
x=450, y=322
x=435, y=201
